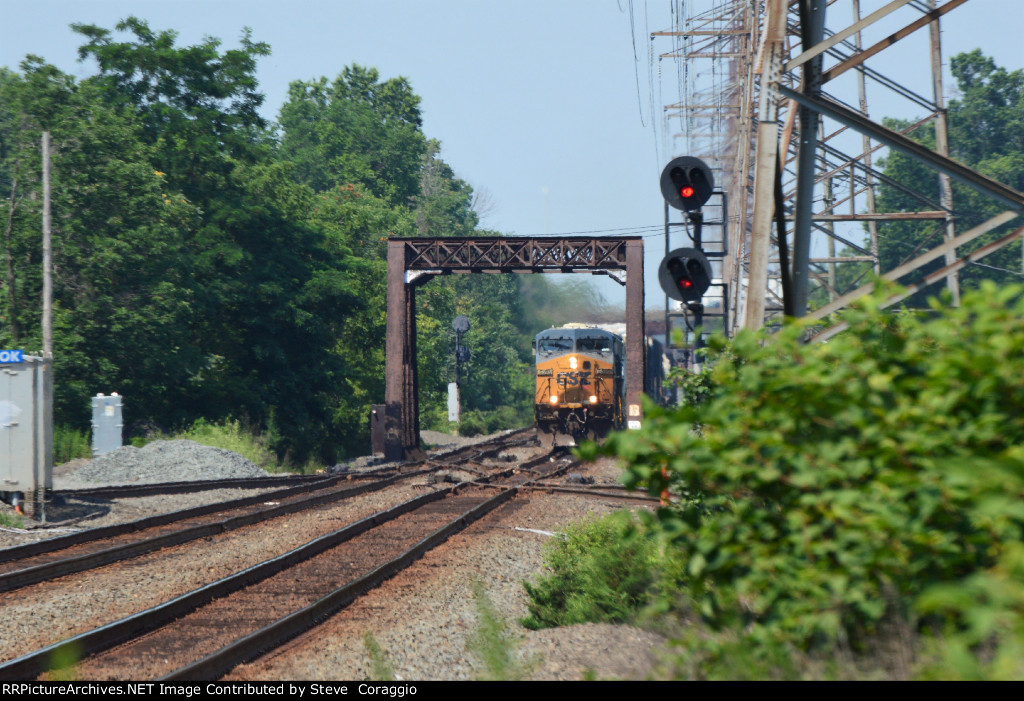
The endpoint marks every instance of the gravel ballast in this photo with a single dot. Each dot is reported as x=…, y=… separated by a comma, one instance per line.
x=422, y=617
x=163, y=461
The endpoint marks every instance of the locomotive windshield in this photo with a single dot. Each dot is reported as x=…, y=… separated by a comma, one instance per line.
x=550, y=346
x=598, y=344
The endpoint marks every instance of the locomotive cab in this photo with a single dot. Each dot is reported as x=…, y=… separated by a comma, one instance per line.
x=580, y=384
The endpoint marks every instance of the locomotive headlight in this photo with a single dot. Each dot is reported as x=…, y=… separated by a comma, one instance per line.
x=593, y=399
x=572, y=362
x=554, y=399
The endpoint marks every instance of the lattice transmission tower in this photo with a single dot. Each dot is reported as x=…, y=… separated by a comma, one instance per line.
x=777, y=96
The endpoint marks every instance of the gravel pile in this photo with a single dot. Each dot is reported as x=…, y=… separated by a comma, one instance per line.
x=165, y=461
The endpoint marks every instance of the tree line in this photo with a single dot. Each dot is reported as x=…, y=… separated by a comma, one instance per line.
x=209, y=263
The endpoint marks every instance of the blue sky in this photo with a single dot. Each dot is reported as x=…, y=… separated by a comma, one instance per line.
x=539, y=105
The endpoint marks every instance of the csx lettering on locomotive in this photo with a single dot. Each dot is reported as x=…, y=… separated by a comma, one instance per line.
x=573, y=378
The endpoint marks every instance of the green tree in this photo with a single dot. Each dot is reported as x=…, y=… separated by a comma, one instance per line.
x=357, y=130
x=122, y=307
x=985, y=126
x=198, y=105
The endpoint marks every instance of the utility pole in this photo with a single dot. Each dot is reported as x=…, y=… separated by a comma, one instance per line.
x=46, y=483
x=47, y=255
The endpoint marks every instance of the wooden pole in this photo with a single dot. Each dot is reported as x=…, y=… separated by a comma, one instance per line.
x=44, y=481
x=47, y=254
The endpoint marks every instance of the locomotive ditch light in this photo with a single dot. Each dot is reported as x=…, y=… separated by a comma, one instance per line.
x=593, y=399
x=687, y=183
x=554, y=399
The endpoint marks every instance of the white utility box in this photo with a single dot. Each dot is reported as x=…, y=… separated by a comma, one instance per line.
x=26, y=427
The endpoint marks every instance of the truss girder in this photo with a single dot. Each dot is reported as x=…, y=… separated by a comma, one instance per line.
x=511, y=254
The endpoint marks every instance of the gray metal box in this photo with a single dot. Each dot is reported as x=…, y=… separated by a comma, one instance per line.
x=26, y=463
x=107, y=425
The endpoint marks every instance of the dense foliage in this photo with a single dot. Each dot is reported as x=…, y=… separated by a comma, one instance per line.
x=210, y=265
x=597, y=572
x=833, y=488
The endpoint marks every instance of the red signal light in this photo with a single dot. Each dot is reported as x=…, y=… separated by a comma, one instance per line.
x=684, y=283
x=686, y=192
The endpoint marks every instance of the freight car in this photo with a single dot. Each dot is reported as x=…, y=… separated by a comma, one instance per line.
x=580, y=384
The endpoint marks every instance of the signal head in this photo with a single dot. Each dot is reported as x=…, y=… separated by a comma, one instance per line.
x=687, y=183
x=685, y=274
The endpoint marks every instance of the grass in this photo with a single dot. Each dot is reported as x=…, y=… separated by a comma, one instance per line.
x=233, y=435
x=381, y=669
x=70, y=443
x=494, y=644
x=11, y=521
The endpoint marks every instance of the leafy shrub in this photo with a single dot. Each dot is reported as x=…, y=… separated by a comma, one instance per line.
x=230, y=435
x=836, y=482
x=601, y=571
x=985, y=638
x=476, y=423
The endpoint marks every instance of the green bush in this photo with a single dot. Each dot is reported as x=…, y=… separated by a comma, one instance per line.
x=11, y=520
x=601, y=571
x=985, y=615
x=381, y=669
x=830, y=485
x=476, y=423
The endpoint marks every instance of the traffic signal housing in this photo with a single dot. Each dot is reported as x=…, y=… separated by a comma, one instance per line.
x=685, y=275
x=687, y=183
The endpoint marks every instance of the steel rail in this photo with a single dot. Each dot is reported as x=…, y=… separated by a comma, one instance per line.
x=115, y=633
x=53, y=544
x=138, y=490
x=220, y=662
x=9, y=581
x=107, y=636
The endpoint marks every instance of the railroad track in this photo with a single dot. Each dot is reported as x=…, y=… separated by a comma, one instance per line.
x=37, y=562
x=203, y=634
x=139, y=490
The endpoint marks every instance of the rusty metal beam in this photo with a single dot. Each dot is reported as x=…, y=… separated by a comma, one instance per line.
x=396, y=362
x=514, y=253
x=635, y=346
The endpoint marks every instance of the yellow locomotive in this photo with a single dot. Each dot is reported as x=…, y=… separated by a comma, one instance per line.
x=580, y=383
